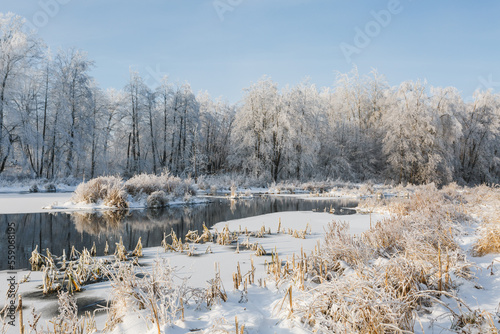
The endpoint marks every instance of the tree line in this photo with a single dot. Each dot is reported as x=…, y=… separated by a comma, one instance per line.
x=55, y=121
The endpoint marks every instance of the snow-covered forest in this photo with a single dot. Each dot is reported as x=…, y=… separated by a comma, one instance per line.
x=55, y=121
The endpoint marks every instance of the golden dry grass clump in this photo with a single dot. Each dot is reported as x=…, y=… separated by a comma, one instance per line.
x=484, y=203
x=489, y=239
x=114, y=192
x=109, y=189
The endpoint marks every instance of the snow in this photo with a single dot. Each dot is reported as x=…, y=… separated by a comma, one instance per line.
x=257, y=314
x=481, y=293
x=284, y=244
x=12, y=202
x=31, y=203
x=133, y=204
x=24, y=187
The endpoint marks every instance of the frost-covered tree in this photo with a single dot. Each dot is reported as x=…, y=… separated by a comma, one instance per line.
x=445, y=103
x=26, y=122
x=74, y=103
x=185, y=109
x=136, y=90
x=214, y=133
x=412, y=143
x=259, y=130
x=351, y=144
x=478, y=149
x=164, y=95
x=18, y=50
x=115, y=112
x=302, y=109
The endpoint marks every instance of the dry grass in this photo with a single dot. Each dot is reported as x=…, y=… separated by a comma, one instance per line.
x=378, y=282
x=109, y=189
x=158, y=292
x=484, y=203
x=114, y=192
x=67, y=322
x=215, y=292
x=489, y=239
x=149, y=183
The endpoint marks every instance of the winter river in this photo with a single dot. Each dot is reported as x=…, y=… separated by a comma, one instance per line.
x=60, y=231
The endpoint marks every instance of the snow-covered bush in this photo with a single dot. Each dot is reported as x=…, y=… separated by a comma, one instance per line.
x=150, y=183
x=50, y=188
x=104, y=188
x=185, y=187
x=153, y=189
x=158, y=199
x=143, y=184
x=34, y=188
x=224, y=181
x=116, y=197
x=366, y=189
x=213, y=190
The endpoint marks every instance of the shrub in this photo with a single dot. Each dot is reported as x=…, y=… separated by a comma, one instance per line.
x=113, y=192
x=98, y=189
x=33, y=188
x=150, y=183
x=50, y=188
x=160, y=292
x=158, y=199
x=116, y=197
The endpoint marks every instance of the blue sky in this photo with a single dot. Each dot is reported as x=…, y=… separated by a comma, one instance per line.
x=449, y=43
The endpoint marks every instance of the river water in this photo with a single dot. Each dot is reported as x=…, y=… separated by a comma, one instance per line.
x=60, y=231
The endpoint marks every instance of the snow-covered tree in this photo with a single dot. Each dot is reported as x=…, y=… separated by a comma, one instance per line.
x=480, y=141
x=18, y=50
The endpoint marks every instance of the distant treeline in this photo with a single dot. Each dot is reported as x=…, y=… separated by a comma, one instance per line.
x=56, y=122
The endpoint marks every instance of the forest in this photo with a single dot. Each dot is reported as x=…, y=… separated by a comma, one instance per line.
x=56, y=122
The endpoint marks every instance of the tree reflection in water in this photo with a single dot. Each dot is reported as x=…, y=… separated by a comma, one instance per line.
x=81, y=229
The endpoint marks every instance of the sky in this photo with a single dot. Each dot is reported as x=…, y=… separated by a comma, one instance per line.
x=223, y=46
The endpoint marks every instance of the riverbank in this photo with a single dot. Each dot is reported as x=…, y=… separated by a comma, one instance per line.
x=418, y=268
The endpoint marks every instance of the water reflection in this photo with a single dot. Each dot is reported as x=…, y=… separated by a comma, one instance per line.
x=61, y=231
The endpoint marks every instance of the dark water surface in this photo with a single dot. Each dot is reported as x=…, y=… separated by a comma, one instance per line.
x=61, y=231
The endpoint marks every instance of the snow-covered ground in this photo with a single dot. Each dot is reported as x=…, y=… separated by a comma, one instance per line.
x=31, y=203
x=24, y=187
x=12, y=202
x=482, y=293
x=68, y=205
x=257, y=314
x=258, y=309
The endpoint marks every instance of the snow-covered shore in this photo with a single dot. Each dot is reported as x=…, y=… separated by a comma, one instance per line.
x=258, y=307
x=257, y=314
x=13, y=203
